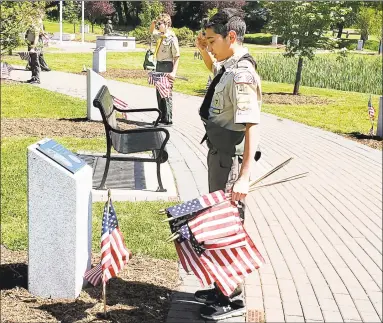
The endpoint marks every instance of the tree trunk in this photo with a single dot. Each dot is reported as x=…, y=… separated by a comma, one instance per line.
x=119, y=12
x=92, y=23
x=298, y=76
x=340, y=30
x=126, y=11
x=74, y=28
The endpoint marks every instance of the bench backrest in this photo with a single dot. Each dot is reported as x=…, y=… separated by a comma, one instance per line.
x=104, y=102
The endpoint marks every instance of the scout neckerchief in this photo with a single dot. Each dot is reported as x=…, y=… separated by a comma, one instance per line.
x=159, y=42
x=204, y=110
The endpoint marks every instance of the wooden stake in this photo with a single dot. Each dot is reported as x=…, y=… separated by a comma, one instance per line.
x=104, y=297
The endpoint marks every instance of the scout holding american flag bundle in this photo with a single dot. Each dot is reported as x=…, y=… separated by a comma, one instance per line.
x=114, y=254
x=162, y=82
x=210, y=238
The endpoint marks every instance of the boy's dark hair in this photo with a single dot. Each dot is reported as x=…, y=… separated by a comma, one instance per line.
x=225, y=20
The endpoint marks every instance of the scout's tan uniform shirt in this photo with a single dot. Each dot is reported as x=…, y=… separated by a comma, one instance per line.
x=169, y=48
x=237, y=97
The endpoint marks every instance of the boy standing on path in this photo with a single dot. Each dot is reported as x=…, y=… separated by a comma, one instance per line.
x=167, y=54
x=231, y=115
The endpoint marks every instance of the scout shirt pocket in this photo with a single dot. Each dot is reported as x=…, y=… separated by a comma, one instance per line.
x=217, y=103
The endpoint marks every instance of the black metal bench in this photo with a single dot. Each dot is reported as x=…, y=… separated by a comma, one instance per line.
x=132, y=140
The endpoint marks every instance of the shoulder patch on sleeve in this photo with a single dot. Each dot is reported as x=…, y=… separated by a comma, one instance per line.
x=244, y=76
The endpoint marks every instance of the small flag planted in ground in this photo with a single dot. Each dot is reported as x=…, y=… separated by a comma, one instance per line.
x=114, y=254
x=162, y=83
x=371, y=114
x=5, y=70
x=119, y=104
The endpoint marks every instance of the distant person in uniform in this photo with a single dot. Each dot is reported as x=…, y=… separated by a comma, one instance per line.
x=167, y=55
x=231, y=115
x=36, y=61
x=35, y=40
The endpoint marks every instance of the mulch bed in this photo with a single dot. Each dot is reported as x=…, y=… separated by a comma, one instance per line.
x=81, y=127
x=373, y=142
x=123, y=73
x=141, y=293
x=289, y=99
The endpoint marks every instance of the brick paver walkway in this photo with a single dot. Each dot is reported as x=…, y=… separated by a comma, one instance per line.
x=321, y=236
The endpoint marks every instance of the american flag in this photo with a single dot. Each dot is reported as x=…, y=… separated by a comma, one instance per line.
x=216, y=248
x=114, y=254
x=119, y=104
x=197, y=204
x=371, y=110
x=5, y=70
x=162, y=83
x=24, y=56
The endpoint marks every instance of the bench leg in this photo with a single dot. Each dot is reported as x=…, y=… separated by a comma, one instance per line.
x=106, y=170
x=160, y=188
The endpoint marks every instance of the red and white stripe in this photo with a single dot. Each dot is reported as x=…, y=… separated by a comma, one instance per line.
x=114, y=254
x=119, y=104
x=94, y=275
x=212, y=198
x=221, y=220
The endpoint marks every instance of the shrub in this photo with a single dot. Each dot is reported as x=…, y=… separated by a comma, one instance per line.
x=141, y=34
x=260, y=39
x=185, y=35
x=351, y=44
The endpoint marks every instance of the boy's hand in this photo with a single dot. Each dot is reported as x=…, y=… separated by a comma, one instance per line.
x=240, y=189
x=201, y=42
x=171, y=75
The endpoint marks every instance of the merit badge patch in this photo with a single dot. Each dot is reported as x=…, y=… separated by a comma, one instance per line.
x=244, y=77
x=242, y=88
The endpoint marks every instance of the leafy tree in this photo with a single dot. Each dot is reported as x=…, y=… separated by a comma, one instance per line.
x=71, y=12
x=16, y=17
x=118, y=7
x=302, y=25
x=169, y=7
x=366, y=21
x=256, y=16
x=222, y=4
x=98, y=10
x=150, y=11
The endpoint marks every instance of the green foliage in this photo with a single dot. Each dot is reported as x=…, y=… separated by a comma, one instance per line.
x=366, y=21
x=359, y=73
x=351, y=44
x=302, y=25
x=141, y=33
x=211, y=12
x=260, y=39
x=71, y=12
x=185, y=35
x=150, y=11
x=16, y=17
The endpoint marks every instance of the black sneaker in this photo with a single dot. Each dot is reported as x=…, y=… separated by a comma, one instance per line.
x=206, y=296
x=222, y=311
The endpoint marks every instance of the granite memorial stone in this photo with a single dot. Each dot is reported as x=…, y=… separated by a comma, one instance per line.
x=94, y=82
x=99, y=59
x=59, y=220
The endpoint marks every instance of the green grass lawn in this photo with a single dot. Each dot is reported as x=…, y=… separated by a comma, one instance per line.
x=54, y=27
x=139, y=222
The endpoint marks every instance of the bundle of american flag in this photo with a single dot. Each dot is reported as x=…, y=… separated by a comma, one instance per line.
x=210, y=238
x=114, y=254
x=371, y=114
x=121, y=105
x=5, y=70
x=162, y=82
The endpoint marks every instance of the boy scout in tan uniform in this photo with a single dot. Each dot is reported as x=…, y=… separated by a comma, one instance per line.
x=167, y=55
x=231, y=116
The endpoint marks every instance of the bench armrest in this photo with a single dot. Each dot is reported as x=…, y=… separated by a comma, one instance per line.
x=141, y=110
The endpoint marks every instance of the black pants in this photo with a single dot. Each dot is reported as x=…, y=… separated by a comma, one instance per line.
x=165, y=104
x=35, y=65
